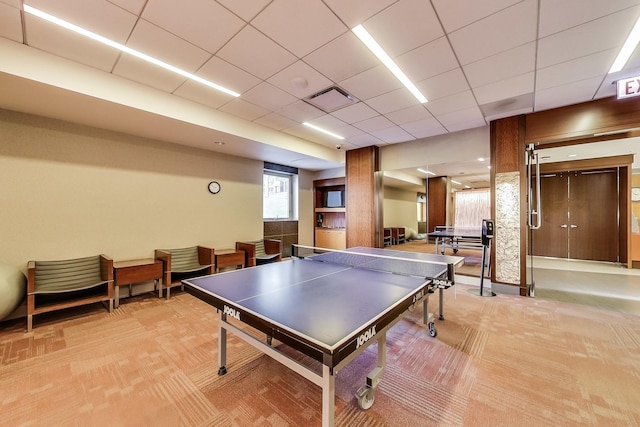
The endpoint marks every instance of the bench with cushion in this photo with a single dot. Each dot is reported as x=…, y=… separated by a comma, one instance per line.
x=194, y=260
x=260, y=252
x=55, y=285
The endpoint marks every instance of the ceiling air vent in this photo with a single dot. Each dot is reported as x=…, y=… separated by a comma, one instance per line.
x=331, y=99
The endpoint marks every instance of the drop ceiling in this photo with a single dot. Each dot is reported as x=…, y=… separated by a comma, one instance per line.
x=475, y=61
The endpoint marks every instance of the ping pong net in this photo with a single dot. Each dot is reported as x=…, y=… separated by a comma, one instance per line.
x=440, y=273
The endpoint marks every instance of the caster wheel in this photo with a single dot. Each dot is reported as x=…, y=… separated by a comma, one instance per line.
x=432, y=329
x=366, y=396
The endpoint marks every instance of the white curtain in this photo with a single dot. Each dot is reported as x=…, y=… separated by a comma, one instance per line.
x=471, y=207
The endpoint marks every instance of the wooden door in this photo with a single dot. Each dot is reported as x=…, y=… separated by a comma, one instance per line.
x=552, y=238
x=593, y=210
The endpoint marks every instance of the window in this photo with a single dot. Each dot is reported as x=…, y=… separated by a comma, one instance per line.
x=279, y=189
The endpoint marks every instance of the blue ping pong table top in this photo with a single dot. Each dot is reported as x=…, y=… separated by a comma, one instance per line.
x=320, y=303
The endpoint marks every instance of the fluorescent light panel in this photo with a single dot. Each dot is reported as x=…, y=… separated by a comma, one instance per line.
x=377, y=50
x=627, y=49
x=426, y=172
x=125, y=49
x=323, y=130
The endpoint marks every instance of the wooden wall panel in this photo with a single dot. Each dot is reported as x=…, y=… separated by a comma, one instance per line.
x=364, y=207
x=583, y=120
x=507, y=149
x=437, y=202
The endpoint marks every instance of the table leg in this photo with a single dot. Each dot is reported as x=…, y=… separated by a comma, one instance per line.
x=117, y=296
x=222, y=344
x=441, y=304
x=328, y=396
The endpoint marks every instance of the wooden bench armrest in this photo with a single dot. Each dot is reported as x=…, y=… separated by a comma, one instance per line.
x=206, y=255
x=272, y=246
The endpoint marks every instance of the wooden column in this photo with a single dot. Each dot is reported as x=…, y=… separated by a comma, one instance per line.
x=364, y=197
x=508, y=207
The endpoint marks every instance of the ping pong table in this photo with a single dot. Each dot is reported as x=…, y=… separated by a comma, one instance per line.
x=456, y=238
x=328, y=305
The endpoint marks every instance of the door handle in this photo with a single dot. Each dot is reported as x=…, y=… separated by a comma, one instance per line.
x=574, y=226
x=563, y=226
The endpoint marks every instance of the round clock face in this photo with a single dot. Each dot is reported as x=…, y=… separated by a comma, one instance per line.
x=635, y=194
x=214, y=187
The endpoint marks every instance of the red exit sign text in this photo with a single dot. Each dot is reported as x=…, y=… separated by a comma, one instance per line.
x=629, y=87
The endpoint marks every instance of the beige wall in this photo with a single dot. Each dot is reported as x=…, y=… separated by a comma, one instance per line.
x=400, y=208
x=69, y=191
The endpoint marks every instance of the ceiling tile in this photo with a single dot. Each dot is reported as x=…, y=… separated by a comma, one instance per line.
x=133, y=6
x=309, y=25
x=408, y=115
x=374, y=124
x=505, y=89
x=98, y=16
x=342, y=58
x=160, y=44
x=328, y=122
x=268, y=96
x=556, y=16
x=364, y=140
x=428, y=60
x=16, y=4
x=10, y=23
x=136, y=69
x=246, y=10
x=355, y=113
x=53, y=39
x=576, y=92
x=255, y=53
x=301, y=112
x=300, y=80
x=582, y=68
x=487, y=37
x=416, y=18
x=204, y=95
x=449, y=104
x=455, y=15
x=424, y=127
x=462, y=119
x=392, y=135
x=243, y=109
x=443, y=85
x=595, y=36
x=354, y=12
x=221, y=72
x=193, y=20
x=371, y=83
x=392, y=101
x=503, y=65
x=276, y=121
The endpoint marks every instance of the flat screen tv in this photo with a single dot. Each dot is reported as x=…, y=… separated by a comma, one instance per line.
x=334, y=199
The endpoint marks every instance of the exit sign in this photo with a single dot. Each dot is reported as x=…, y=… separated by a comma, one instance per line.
x=629, y=87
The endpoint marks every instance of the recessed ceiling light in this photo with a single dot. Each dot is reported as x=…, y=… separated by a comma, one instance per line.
x=379, y=52
x=323, y=130
x=125, y=49
x=481, y=159
x=572, y=155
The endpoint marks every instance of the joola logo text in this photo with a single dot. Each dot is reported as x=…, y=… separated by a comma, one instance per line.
x=366, y=336
x=231, y=312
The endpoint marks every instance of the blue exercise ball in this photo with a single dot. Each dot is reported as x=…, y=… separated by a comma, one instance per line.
x=13, y=287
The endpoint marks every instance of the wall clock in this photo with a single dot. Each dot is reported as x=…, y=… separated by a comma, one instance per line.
x=635, y=194
x=214, y=187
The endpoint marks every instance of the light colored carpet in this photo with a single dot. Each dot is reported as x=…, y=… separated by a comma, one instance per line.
x=502, y=361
